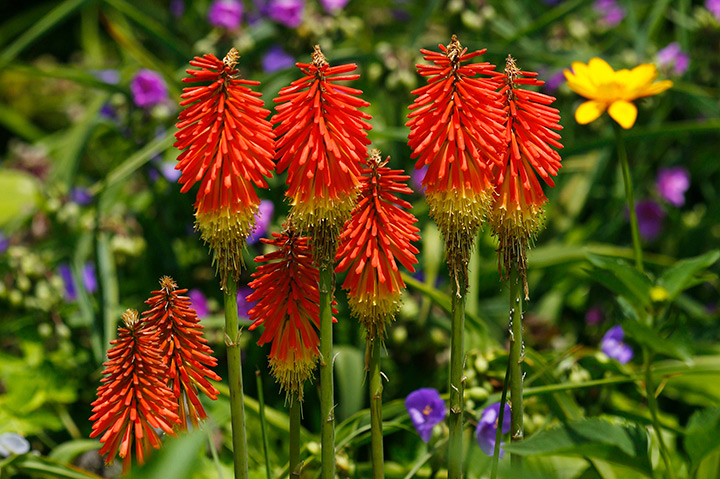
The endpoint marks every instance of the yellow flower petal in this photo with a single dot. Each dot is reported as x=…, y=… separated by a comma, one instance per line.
x=624, y=113
x=589, y=111
x=600, y=70
x=638, y=80
x=656, y=88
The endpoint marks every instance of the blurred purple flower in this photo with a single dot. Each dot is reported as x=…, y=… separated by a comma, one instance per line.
x=148, y=88
x=672, y=183
x=81, y=196
x=551, y=2
x=167, y=168
x=199, y=303
x=613, y=346
x=287, y=12
x=673, y=57
x=177, y=8
x=107, y=111
x=713, y=7
x=553, y=83
x=4, y=243
x=333, y=6
x=276, y=59
x=263, y=218
x=487, y=428
x=594, y=315
x=225, y=14
x=650, y=217
x=110, y=76
x=612, y=13
x=244, y=306
x=88, y=278
x=416, y=178
x=426, y=409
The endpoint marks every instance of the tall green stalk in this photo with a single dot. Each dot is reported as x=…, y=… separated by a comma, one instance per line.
x=376, y=390
x=237, y=401
x=263, y=427
x=327, y=402
x=516, y=359
x=457, y=403
x=629, y=197
x=295, y=407
x=653, y=406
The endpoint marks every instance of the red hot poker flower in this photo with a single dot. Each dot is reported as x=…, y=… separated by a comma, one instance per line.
x=530, y=138
x=455, y=129
x=186, y=354
x=228, y=147
x=322, y=140
x=287, y=295
x=374, y=241
x=133, y=400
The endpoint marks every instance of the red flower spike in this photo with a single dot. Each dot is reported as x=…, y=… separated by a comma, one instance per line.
x=529, y=138
x=374, y=241
x=287, y=295
x=133, y=401
x=322, y=140
x=228, y=148
x=186, y=354
x=456, y=130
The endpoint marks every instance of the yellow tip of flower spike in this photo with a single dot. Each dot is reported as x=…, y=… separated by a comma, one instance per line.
x=130, y=318
x=375, y=312
x=291, y=374
x=612, y=90
x=323, y=220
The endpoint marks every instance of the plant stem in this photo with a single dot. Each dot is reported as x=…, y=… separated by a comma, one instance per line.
x=457, y=403
x=263, y=427
x=237, y=401
x=295, y=407
x=376, y=389
x=629, y=197
x=327, y=401
x=516, y=359
x=653, y=406
x=501, y=418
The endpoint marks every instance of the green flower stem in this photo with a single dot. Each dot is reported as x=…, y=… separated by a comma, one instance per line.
x=376, y=390
x=629, y=197
x=327, y=402
x=237, y=401
x=295, y=407
x=653, y=406
x=263, y=426
x=457, y=403
x=501, y=418
x=516, y=359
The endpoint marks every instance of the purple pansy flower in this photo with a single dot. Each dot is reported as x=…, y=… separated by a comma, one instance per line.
x=487, y=428
x=287, y=12
x=276, y=59
x=148, y=88
x=672, y=183
x=553, y=83
x=332, y=6
x=613, y=346
x=88, y=278
x=426, y=409
x=177, y=8
x=594, y=315
x=672, y=57
x=650, y=217
x=416, y=178
x=612, y=13
x=4, y=243
x=225, y=14
x=81, y=196
x=263, y=218
x=199, y=302
x=713, y=7
x=244, y=306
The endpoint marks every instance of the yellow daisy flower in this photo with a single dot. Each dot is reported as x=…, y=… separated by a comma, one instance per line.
x=612, y=90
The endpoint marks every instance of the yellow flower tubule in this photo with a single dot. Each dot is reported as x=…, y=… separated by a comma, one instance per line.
x=614, y=91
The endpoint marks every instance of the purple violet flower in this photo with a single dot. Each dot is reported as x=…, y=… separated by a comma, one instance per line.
x=333, y=6
x=88, y=278
x=177, y=8
x=110, y=76
x=4, y=243
x=650, y=217
x=276, y=59
x=199, y=303
x=263, y=218
x=613, y=346
x=672, y=183
x=244, y=306
x=612, y=13
x=416, y=178
x=167, y=168
x=225, y=14
x=672, y=57
x=426, y=409
x=713, y=7
x=487, y=428
x=81, y=196
x=553, y=83
x=148, y=88
x=287, y=12
x=594, y=315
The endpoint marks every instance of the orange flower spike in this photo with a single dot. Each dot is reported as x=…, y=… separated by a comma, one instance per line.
x=186, y=355
x=456, y=130
x=228, y=147
x=287, y=295
x=530, y=137
x=322, y=141
x=374, y=241
x=133, y=401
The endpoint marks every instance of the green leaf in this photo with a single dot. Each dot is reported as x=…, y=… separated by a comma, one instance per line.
x=350, y=375
x=594, y=438
x=680, y=277
x=178, y=459
x=19, y=195
x=68, y=451
x=649, y=337
x=623, y=279
x=702, y=435
x=38, y=466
